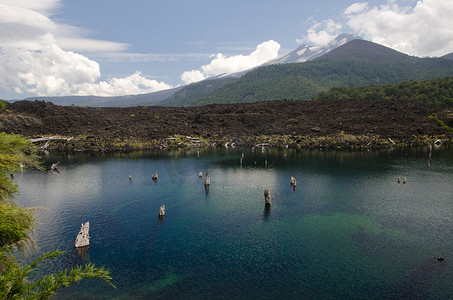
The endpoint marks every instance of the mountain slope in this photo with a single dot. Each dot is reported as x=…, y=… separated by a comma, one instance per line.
x=305, y=53
x=191, y=94
x=448, y=56
x=118, y=101
x=303, y=81
x=361, y=49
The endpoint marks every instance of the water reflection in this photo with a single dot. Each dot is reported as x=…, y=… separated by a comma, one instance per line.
x=267, y=211
x=83, y=253
x=348, y=222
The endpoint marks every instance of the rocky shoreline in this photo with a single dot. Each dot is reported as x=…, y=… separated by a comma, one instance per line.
x=333, y=124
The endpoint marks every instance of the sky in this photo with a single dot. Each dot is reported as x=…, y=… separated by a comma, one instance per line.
x=113, y=48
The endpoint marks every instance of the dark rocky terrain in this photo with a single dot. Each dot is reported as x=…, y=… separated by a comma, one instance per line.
x=347, y=124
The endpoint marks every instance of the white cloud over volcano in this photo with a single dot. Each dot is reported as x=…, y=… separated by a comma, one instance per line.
x=221, y=64
x=424, y=29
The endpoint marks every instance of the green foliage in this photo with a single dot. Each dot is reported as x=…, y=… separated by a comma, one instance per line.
x=15, y=153
x=16, y=225
x=303, y=81
x=14, y=283
x=191, y=93
x=2, y=105
x=441, y=123
x=435, y=91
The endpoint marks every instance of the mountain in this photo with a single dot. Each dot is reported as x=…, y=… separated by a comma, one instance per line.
x=305, y=53
x=448, y=56
x=117, y=101
x=352, y=64
x=190, y=94
x=194, y=91
x=300, y=74
x=361, y=49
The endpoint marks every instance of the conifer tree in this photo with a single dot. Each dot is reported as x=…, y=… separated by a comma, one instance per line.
x=16, y=225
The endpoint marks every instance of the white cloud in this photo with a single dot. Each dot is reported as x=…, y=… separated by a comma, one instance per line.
x=221, y=64
x=321, y=33
x=42, y=6
x=147, y=57
x=423, y=29
x=356, y=8
x=35, y=56
x=192, y=76
x=131, y=85
x=27, y=24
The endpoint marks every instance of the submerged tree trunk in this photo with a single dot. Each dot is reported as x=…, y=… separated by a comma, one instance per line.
x=83, y=238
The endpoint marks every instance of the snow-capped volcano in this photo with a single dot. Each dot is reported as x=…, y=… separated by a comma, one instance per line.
x=305, y=53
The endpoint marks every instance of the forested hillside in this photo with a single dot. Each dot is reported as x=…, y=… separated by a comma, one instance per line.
x=434, y=91
x=303, y=81
x=193, y=92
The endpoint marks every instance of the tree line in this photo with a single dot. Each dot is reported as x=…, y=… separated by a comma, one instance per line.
x=303, y=81
x=435, y=91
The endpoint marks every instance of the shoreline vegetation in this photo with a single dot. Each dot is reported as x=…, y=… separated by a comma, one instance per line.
x=326, y=124
x=338, y=142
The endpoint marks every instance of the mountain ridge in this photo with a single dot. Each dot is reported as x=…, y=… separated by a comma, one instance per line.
x=362, y=49
x=290, y=82
x=303, y=81
x=113, y=101
x=305, y=53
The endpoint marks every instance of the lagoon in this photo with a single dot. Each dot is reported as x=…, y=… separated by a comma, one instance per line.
x=348, y=230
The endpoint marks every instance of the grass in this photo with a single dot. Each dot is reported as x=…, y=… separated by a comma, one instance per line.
x=440, y=123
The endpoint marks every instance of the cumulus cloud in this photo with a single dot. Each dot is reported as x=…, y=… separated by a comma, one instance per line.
x=192, y=76
x=322, y=33
x=36, y=56
x=130, y=85
x=423, y=29
x=221, y=64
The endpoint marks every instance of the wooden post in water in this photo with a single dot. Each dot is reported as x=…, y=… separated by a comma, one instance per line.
x=207, y=180
x=267, y=197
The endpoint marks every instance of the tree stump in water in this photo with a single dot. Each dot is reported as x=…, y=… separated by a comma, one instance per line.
x=267, y=197
x=207, y=180
x=162, y=211
x=83, y=238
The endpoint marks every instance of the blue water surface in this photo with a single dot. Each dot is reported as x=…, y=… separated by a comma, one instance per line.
x=347, y=231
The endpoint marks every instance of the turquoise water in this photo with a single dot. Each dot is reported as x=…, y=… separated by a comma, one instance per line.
x=348, y=230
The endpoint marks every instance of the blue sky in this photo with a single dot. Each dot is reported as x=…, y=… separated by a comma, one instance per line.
x=111, y=47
